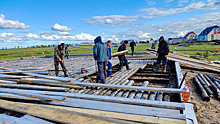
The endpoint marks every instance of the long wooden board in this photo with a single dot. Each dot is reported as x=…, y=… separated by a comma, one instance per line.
x=49, y=114
x=65, y=79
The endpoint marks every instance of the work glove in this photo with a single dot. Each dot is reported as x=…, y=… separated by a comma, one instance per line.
x=61, y=62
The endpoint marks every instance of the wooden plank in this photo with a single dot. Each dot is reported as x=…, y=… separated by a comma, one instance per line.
x=167, y=90
x=7, y=82
x=49, y=114
x=119, y=53
x=118, y=107
x=13, y=96
x=6, y=76
x=162, y=104
x=35, y=120
x=13, y=72
x=123, y=116
x=35, y=87
x=65, y=79
x=39, y=96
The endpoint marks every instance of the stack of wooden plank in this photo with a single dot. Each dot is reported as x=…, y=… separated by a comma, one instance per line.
x=193, y=62
x=59, y=98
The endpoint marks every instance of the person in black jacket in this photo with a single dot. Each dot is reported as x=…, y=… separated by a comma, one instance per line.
x=132, y=44
x=162, y=53
x=122, y=58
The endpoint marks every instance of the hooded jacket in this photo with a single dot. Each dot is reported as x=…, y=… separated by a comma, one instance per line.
x=163, y=48
x=100, y=50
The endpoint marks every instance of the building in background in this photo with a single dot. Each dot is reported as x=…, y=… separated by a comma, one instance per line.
x=210, y=33
x=190, y=37
x=176, y=40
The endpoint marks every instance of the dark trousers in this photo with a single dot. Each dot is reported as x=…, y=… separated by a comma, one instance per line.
x=56, y=65
x=109, y=68
x=163, y=58
x=123, y=61
x=132, y=50
x=102, y=71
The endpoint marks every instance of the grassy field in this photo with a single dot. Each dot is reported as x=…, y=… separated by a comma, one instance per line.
x=28, y=52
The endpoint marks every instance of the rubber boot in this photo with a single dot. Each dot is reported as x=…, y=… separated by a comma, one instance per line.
x=157, y=68
x=65, y=75
x=164, y=68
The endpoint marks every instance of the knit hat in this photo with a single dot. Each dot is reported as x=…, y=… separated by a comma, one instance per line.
x=98, y=39
x=108, y=42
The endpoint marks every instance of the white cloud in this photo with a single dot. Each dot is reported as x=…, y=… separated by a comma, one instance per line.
x=10, y=37
x=172, y=29
x=154, y=12
x=148, y=13
x=79, y=37
x=34, y=36
x=11, y=24
x=58, y=27
x=26, y=31
x=46, y=32
x=150, y=2
x=112, y=20
x=113, y=38
x=64, y=33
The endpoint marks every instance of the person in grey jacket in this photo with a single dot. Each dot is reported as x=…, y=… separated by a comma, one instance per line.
x=101, y=54
x=162, y=53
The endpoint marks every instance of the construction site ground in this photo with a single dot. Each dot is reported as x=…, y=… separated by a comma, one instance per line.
x=206, y=112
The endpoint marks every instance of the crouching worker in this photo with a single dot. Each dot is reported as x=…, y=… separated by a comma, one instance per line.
x=109, y=71
x=101, y=54
x=59, y=52
x=122, y=58
x=162, y=53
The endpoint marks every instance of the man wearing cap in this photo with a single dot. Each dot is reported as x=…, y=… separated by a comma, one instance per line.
x=101, y=54
x=122, y=58
x=109, y=71
x=132, y=44
x=162, y=53
x=59, y=52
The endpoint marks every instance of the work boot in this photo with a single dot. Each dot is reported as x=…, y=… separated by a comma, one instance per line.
x=164, y=68
x=157, y=68
x=65, y=75
x=56, y=74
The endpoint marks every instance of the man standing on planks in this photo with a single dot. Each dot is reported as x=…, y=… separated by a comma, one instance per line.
x=59, y=52
x=101, y=54
x=162, y=53
x=122, y=58
x=67, y=51
x=109, y=72
x=132, y=44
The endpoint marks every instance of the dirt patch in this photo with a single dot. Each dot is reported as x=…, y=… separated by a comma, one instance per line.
x=206, y=112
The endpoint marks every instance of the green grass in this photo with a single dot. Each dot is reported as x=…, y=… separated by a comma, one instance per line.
x=28, y=52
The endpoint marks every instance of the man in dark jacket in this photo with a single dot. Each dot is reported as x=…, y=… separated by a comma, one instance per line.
x=162, y=53
x=132, y=44
x=122, y=58
x=58, y=58
x=101, y=54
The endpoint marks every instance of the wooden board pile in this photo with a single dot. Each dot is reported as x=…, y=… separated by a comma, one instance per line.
x=64, y=100
x=193, y=62
x=208, y=86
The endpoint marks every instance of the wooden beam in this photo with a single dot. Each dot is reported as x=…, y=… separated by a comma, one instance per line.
x=7, y=76
x=13, y=72
x=7, y=82
x=119, y=53
x=162, y=104
x=35, y=87
x=47, y=113
x=65, y=79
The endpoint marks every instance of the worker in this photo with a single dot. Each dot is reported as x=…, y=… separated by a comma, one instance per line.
x=59, y=52
x=153, y=46
x=109, y=71
x=122, y=58
x=101, y=54
x=132, y=44
x=67, y=51
x=162, y=54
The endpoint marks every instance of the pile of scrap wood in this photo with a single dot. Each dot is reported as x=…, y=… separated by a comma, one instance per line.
x=208, y=86
x=52, y=98
x=193, y=62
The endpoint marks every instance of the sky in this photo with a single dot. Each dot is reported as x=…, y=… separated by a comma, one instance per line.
x=34, y=22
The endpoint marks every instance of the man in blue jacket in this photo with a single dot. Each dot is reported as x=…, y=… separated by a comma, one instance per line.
x=109, y=72
x=122, y=58
x=101, y=54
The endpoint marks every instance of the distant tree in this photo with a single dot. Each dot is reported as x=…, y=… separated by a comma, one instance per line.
x=18, y=47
